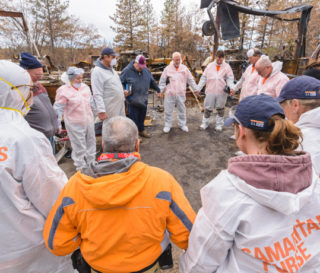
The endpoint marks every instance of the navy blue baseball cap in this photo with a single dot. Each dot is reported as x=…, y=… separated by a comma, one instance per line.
x=302, y=87
x=255, y=111
x=28, y=61
x=108, y=51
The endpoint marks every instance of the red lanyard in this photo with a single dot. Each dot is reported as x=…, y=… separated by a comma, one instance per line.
x=115, y=156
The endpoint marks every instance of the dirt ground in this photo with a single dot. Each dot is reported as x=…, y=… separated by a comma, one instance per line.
x=193, y=158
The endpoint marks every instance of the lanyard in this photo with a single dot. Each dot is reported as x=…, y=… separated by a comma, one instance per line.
x=113, y=156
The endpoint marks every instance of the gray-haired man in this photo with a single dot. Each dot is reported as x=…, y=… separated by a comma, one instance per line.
x=121, y=206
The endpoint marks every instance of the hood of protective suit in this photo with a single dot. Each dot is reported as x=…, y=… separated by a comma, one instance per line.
x=310, y=118
x=113, y=184
x=131, y=67
x=277, y=67
x=282, y=183
x=100, y=64
x=13, y=74
x=64, y=78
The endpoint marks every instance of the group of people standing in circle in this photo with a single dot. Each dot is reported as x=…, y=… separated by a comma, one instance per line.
x=264, y=192
x=261, y=214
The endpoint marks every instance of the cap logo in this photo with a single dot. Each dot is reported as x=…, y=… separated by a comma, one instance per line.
x=310, y=93
x=257, y=123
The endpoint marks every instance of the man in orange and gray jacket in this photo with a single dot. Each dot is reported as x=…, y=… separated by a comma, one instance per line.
x=118, y=211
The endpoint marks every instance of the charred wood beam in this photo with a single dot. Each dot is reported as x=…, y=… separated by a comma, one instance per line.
x=14, y=14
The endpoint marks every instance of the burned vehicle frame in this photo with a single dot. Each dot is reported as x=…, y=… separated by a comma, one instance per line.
x=228, y=11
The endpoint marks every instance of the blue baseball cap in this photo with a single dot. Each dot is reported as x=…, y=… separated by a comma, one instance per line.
x=302, y=87
x=28, y=61
x=108, y=51
x=255, y=111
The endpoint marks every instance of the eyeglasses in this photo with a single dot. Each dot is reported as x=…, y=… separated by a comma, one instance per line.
x=32, y=87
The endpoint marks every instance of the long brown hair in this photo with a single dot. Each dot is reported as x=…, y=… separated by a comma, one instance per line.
x=284, y=138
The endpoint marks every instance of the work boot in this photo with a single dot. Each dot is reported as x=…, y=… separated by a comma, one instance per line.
x=184, y=128
x=219, y=123
x=144, y=134
x=218, y=128
x=166, y=129
x=205, y=123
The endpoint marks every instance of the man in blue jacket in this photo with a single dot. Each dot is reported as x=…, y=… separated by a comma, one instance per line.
x=136, y=80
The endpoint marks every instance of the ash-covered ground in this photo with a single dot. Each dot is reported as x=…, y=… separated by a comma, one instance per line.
x=193, y=158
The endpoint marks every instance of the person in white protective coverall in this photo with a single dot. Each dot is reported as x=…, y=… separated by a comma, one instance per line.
x=272, y=79
x=216, y=77
x=262, y=214
x=108, y=93
x=300, y=100
x=30, y=181
x=74, y=101
x=173, y=81
x=249, y=80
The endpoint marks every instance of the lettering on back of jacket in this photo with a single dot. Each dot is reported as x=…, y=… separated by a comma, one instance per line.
x=3, y=155
x=288, y=254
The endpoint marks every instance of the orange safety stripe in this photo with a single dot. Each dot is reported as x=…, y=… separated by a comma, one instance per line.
x=264, y=81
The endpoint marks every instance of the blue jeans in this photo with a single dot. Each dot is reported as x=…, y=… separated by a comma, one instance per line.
x=138, y=116
x=51, y=139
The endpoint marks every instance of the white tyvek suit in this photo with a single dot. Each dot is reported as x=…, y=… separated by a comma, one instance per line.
x=175, y=92
x=309, y=123
x=245, y=228
x=30, y=183
x=79, y=121
x=107, y=91
x=273, y=84
x=248, y=82
x=215, y=82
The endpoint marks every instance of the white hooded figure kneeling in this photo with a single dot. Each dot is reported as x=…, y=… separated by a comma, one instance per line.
x=30, y=181
x=262, y=214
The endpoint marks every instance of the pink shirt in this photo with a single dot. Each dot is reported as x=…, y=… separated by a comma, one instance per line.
x=178, y=80
x=216, y=78
x=248, y=82
x=77, y=103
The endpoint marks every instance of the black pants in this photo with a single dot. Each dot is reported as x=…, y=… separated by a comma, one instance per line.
x=138, y=116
